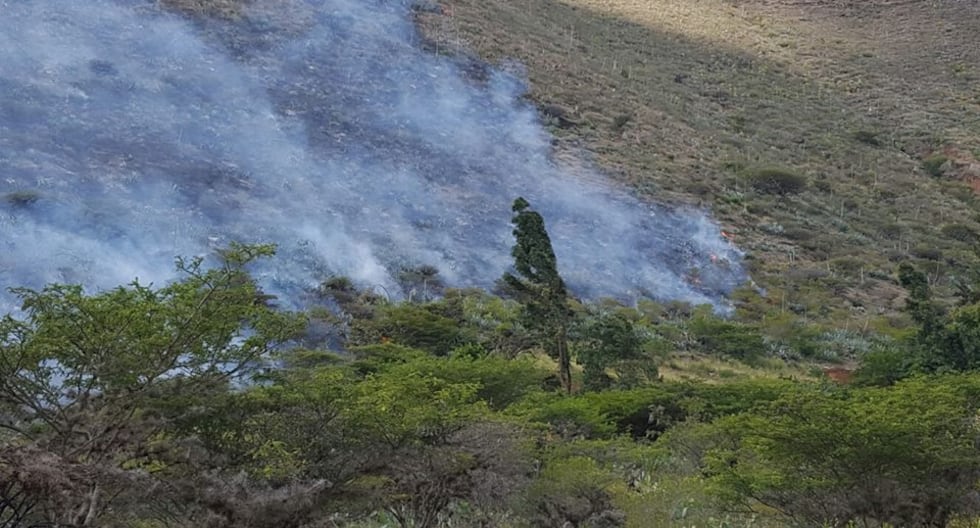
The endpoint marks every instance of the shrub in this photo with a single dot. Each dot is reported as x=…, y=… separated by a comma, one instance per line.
x=890, y=231
x=867, y=137
x=21, y=198
x=775, y=180
x=959, y=232
x=726, y=338
x=569, y=417
x=884, y=366
x=824, y=186
x=710, y=402
x=847, y=266
x=415, y=326
x=227, y=9
x=798, y=233
x=934, y=165
x=927, y=253
x=620, y=122
x=641, y=413
x=574, y=492
x=897, y=456
x=499, y=381
x=377, y=357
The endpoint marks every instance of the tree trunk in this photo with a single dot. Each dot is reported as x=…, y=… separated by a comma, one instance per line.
x=564, y=361
x=93, y=506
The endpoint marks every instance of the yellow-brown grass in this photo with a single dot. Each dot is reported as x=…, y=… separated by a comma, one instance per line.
x=683, y=98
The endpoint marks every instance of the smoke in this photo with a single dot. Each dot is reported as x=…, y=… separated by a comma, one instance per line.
x=129, y=136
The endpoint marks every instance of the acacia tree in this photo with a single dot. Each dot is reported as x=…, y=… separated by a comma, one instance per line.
x=609, y=340
x=539, y=287
x=85, y=378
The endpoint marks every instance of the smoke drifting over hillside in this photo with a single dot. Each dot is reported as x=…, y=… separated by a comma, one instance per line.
x=129, y=136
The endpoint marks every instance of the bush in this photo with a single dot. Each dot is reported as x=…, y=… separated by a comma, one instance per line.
x=607, y=340
x=227, y=9
x=717, y=336
x=569, y=417
x=959, y=232
x=927, y=253
x=650, y=411
x=640, y=413
x=709, y=402
x=412, y=325
x=500, y=381
x=798, y=233
x=884, y=366
x=21, y=198
x=824, y=186
x=377, y=357
x=867, y=137
x=934, y=165
x=899, y=456
x=891, y=231
x=847, y=266
x=774, y=180
x=574, y=492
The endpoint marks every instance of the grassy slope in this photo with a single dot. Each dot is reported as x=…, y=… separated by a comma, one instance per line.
x=682, y=98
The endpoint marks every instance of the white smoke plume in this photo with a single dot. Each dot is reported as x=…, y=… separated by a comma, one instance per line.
x=129, y=136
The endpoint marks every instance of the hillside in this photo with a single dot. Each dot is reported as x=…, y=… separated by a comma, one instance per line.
x=875, y=103
x=451, y=319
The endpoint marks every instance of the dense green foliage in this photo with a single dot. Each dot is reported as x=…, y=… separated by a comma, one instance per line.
x=905, y=455
x=539, y=287
x=198, y=404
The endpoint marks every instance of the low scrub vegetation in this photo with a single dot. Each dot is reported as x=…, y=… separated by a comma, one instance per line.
x=199, y=404
x=845, y=116
x=775, y=180
x=934, y=164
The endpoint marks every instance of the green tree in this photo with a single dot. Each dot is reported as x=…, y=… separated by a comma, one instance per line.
x=608, y=340
x=919, y=303
x=946, y=340
x=539, y=287
x=399, y=439
x=88, y=378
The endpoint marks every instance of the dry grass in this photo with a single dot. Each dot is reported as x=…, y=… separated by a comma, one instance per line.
x=681, y=98
x=709, y=369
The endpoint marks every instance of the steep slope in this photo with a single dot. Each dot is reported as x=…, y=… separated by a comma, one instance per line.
x=875, y=104
x=129, y=135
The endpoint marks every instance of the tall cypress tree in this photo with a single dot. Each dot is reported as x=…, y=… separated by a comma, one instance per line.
x=539, y=287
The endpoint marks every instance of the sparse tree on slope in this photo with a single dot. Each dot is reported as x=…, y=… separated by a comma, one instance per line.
x=539, y=287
